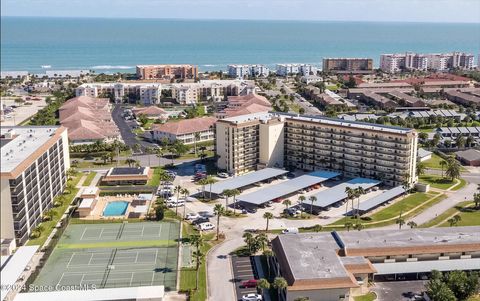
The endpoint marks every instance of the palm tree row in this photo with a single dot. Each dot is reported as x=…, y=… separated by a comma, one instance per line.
x=353, y=193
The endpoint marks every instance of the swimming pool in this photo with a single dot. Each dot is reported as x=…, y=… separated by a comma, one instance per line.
x=115, y=208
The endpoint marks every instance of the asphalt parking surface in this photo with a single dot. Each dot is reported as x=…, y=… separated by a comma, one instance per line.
x=398, y=290
x=243, y=269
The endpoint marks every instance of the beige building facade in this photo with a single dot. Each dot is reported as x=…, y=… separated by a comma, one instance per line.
x=249, y=142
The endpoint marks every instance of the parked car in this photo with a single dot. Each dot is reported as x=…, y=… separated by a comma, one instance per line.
x=290, y=231
x=191, y=216
x=290, y=175
x=252, y=297
x=249, y=283
x=206, y=213
x=251, y=210
x=200, y=220
x=222, y=175
x=206, y=226
x=180, y=203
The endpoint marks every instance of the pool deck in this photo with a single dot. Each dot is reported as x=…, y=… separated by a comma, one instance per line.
x=102, y=202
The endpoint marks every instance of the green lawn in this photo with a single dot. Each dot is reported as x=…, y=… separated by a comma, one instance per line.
x=368, y=297
x=470, y=217
x=433, y=162
x=155, y=180
x=89, y=178
x=188, y=275
x=461, y=185
x=424, y=130
x=98, y=164
x=440, y=218
x=437, y=181
x=49, y=225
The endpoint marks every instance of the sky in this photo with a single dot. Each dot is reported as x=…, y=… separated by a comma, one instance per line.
x=464, y=11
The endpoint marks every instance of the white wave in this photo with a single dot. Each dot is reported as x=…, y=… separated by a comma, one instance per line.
x=207, y=65
x=46, y=66
x=106, y=67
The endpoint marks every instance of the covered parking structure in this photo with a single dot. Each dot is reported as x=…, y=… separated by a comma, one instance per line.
x=380, y=199
x=247, y=179
x=337, y=193
x=412, y=270
x=282, y=189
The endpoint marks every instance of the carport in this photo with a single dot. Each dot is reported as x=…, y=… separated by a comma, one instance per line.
x=391, y=270
x=380, y=199
x=337, y=193
x=247, y=179
x=282, y=189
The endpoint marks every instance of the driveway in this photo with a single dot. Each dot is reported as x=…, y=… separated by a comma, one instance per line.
x=398, y=290
x=243, y=270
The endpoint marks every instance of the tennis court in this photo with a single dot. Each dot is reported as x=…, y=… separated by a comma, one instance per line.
x=116, y=255
x=91, y=233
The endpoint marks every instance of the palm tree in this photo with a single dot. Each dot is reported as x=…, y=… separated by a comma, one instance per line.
x=249, y=240
x=177, y=190
x=476, y=199
x=317, y=228
x=359, y=226
x=262, y=240
x=312, y=200
x=348, y=225
x=268, y=254
x=219, y=211
x=234, y=193
x=210, y=181
x=453, y=169
x=267, y=216
x=443, y=164
x=420, y=169
x=197, y=241
x=302, y=299
x=105, y=157
x=460, y=141
x=412, y=224
x=159, y=154
x=185, y=193
x=130, y=162
x=263, y=284
x=196, y=137
x=358, y=193
x=203, y=182
x=287, y=203
x=457, y=218
x=227, y=193
x=350, y=195
x=301, y=199
x=400, y=221
x=280, y=284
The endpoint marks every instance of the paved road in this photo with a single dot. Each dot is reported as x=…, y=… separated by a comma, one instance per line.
x=128, y=136
x=398, y=290
x=302, y=102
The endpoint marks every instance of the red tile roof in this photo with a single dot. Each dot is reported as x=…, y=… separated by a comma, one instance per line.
x=186, y=126
x=149, y=111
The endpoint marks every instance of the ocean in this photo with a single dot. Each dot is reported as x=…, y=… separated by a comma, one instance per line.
x=112, y=45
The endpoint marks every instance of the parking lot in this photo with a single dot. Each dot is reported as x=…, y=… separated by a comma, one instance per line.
x=399, y=290
x=243, y=270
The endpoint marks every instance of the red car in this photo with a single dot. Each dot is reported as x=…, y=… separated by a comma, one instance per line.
x=249, y=283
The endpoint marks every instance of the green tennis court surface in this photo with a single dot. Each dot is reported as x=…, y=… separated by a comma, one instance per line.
x=110, y=266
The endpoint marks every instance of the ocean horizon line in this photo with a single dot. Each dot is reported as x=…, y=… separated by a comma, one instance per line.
x=238, y=20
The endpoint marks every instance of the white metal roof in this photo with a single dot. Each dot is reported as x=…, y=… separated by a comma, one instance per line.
x=14, y=268
x=427, y=266
x=86, y=203
x=247, y=179
x=119, y=293
x=272, y=192
x=381, y=198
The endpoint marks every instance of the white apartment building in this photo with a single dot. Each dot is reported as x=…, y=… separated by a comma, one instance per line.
x=393, y=63
x=35, y=160
x=303, y=69
x=211, y=90
x=146, y=94
x=242, y=71
x=249, y=142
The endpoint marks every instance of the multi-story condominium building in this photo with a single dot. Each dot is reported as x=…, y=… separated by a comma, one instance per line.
x=122, y=92
x=340, y=265
x=392, y=63
x=210, y=90
x=185, y=130
x=167, y=71
x=303, y=69
x=347, y=65
x=33, y=173
x=242, y=71
x=248, y=142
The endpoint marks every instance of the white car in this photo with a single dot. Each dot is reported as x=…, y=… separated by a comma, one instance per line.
x=252, y=297
x=206, y=226
x=192, y=216
x=222, y=175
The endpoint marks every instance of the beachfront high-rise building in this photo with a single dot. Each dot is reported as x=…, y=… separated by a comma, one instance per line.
x=249, y=142
x=302, y=69
x=242, y=71
x=143, y=93
x=210, y=90
x=167, y=71
x=34, y=168
x=392, y=63
x=347, y=65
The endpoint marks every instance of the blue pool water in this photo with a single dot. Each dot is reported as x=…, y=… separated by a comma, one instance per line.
x=115, y=208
